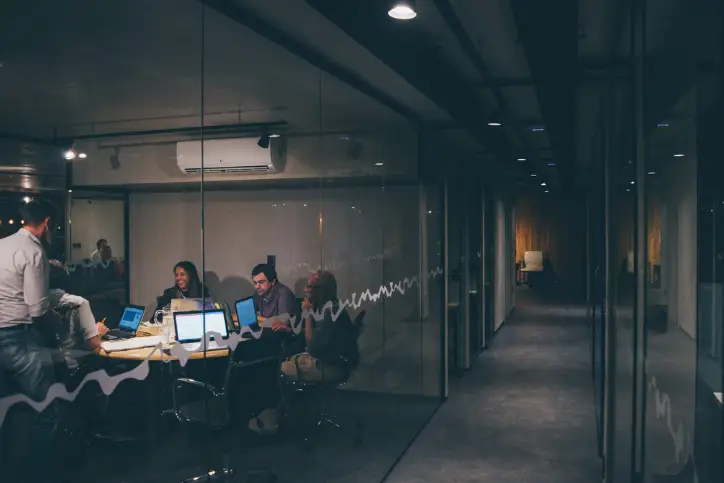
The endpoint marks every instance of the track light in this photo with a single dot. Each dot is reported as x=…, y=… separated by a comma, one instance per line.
x=70, y=153
x=263, y=141
x=402, y=9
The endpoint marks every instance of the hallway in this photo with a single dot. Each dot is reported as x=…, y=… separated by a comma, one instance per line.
x=524, y=413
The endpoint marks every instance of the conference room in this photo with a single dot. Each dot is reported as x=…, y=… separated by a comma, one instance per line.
x=172, y=138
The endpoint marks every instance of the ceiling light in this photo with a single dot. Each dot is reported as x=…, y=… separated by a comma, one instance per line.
x=678, y=155
x=69, y=154
x=542, y=184
x=551, y=164
x=538, y=129
x=663, y=124
x=263, y=141
x=494, y=124
x=27, y=199
x=379, y=164
x=402, y=10
x=521, y=159
x=533, y=175
x=652, y=172
x=274, y=135
x=546, y=191
x=633, y=182
x=11, y=222
x=82, y=155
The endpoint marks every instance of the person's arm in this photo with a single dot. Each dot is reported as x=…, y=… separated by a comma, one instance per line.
x=287, y=305
x=308, y=321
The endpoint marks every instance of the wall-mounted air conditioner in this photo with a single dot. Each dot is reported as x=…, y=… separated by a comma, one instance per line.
x=239, y=155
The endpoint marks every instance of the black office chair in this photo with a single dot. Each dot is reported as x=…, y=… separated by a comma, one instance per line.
x=320, y=391
x=211, y=411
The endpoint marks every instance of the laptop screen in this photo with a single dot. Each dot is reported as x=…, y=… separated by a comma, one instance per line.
x=131, y=318
x=246, y=312
x=190, y=325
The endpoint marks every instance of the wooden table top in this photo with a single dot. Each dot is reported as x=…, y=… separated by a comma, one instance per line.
x=154, y=353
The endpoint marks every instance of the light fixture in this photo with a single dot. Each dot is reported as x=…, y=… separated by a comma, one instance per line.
x=69, y=154
x=22, y=222
x=533, y=175
x=263, y=141
x=275, y=135
x=379, y=164
x=11, y=222
x=402, y=9
x=538, y=129
x=678, y=155
x=27, y=199
x=633, y=182
x=82, y=155
x=652, y=172
x=543, y=184
x=546, y=191
x=663, y=124
x=521, y=159
x=551, y=164
x=494, y=124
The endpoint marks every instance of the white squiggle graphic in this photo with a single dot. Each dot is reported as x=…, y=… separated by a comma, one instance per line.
x=662, y=401
x=109, y=383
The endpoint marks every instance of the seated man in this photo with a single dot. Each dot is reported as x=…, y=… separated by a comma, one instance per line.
x=83, y=333
x=272, y=298
x=331, y=342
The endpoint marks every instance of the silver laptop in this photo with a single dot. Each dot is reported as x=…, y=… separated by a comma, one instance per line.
x=191, y=327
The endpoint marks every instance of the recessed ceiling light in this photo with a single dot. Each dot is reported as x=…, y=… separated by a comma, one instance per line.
x=379, y=164
x=494, y=124
x=546, y=191
x=274, y=135
x=533, y=175
x=27, y=199
x=542, y=184
x=69, y=154
x=402, y=10
x=678, y=155
x=633, y=182
x=521, y=159
x=551, y=164
x=663, y=124
x=652, y=172
x=82, y=155
x=538, y=129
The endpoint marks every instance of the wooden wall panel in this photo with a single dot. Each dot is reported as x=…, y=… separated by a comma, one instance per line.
x=557, y=227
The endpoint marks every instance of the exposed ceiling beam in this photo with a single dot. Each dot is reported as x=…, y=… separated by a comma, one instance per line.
x=447, y=12
x=549, y=38
x=249, y=19
x=407, y=49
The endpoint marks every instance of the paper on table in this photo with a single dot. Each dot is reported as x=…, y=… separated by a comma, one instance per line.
x=128, y=344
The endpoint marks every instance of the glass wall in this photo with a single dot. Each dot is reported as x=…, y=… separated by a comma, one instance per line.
x=247, y=274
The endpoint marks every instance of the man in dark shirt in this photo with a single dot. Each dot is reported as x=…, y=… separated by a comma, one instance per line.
x=272, y=298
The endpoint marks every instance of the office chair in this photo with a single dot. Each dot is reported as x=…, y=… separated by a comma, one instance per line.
x=319, y=390
x=211, y=412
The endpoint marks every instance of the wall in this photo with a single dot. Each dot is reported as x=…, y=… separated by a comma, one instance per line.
x=557, y=227
x=504, y=263
x=367, y=237
x=91, y=219
x=306, y=157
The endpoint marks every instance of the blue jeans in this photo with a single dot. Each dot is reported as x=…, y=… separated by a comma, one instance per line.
x=28, y=364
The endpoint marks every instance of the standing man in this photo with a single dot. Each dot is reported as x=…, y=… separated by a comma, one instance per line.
x=25, y=314
x=102, y=252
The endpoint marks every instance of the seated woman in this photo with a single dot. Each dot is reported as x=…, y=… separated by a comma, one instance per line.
x=188, y=285
x=331, y=341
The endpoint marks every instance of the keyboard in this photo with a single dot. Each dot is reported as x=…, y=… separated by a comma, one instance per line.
x=119, y=334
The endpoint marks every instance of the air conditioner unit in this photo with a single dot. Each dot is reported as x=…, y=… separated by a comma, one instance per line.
x=238, y=155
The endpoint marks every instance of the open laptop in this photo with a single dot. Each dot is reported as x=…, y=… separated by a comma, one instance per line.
x=190, y=329
x=245, y=312
x=130, y=321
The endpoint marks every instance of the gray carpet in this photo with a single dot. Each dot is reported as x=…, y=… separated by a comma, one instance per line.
x=524, y=413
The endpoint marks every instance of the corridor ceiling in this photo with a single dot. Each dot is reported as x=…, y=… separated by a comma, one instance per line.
x=80, y=67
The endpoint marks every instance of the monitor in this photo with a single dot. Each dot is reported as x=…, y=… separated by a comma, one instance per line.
x=190, y=325
x=131, y=318
x=246, y=312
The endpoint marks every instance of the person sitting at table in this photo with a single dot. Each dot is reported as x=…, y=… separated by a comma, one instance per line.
x=272, y=298
x=83, y=334
x=188, y=285
x=331, y=341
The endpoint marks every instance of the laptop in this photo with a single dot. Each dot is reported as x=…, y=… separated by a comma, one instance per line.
x=130, y=321
x=190, y=329
x=246, y=312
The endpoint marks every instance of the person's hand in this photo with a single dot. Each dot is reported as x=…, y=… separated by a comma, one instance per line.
x=102, y=329
x=306, y=304
x=282, y=325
